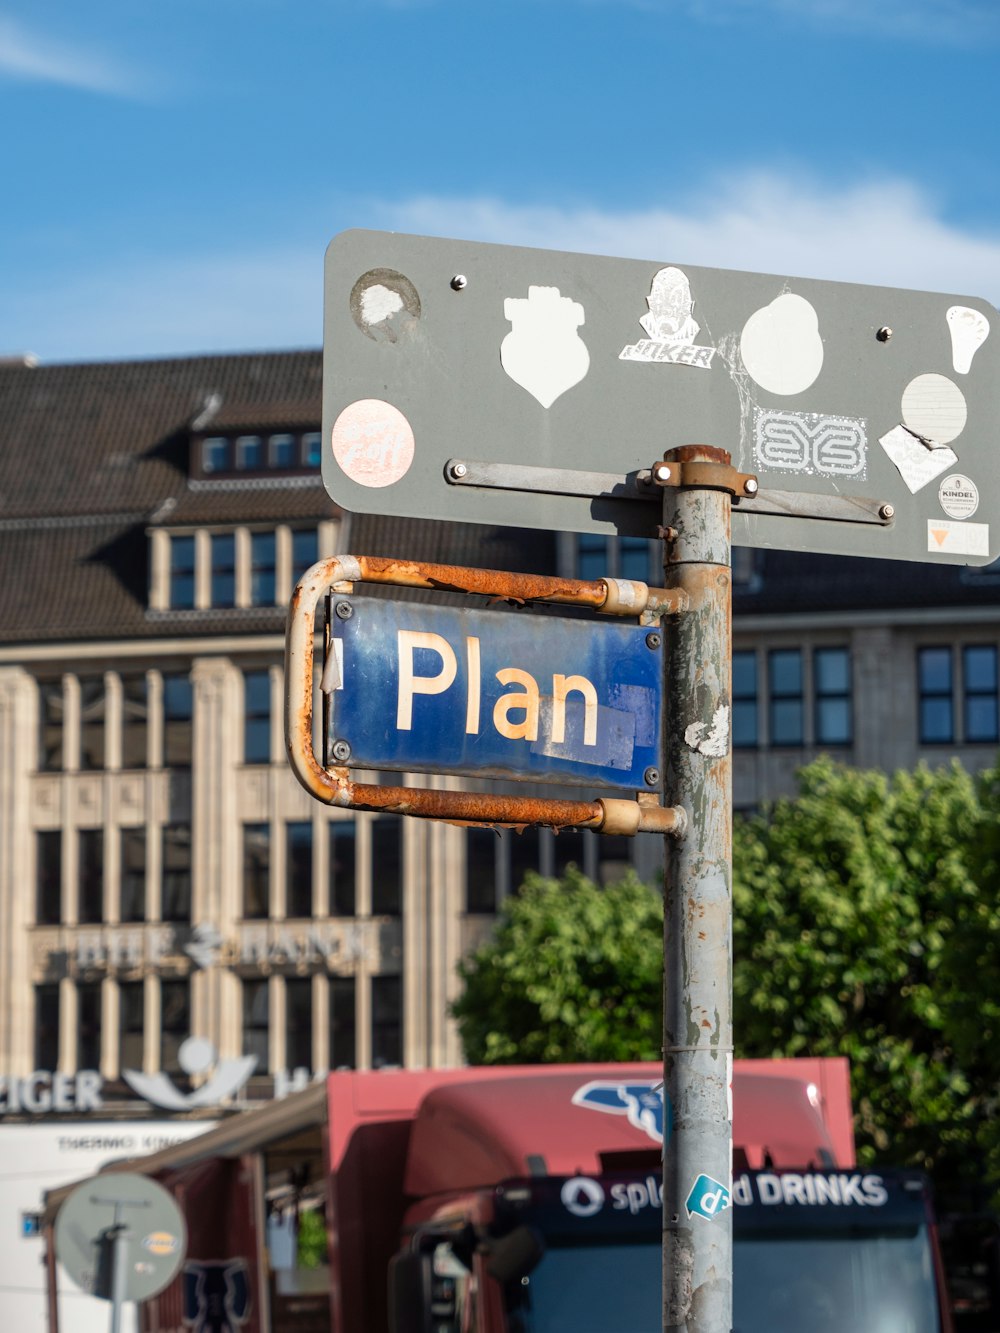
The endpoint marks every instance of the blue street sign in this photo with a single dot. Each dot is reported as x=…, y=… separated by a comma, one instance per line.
x=494, y=694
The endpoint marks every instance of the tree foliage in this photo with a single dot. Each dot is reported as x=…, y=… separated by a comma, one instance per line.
x=573, y=972
x=866, y=924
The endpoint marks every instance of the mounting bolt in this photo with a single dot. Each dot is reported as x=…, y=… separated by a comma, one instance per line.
x=653, y=641
x=459, y=282
x=341, y=751
x=887, y=512
x=884, y=334
x=661, y=472
x=344, y=610
x=651, y=777
x=457, y=471
x=750, y=486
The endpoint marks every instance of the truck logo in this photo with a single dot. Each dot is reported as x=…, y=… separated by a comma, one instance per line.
x=708, y=1198
x=582, y=1196
x=640, y=1102
x=216, y=1296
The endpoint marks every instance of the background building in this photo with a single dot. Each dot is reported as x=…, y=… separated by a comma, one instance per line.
x=161, y=872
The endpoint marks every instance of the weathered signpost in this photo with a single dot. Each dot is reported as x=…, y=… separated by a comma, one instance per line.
x=497, y=385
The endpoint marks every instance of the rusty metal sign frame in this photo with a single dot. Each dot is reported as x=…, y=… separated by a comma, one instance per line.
x=334, y=786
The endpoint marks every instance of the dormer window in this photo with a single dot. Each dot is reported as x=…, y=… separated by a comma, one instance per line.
x=281, y=451
x=226, y=457
x=215, y=454
x=249, y=453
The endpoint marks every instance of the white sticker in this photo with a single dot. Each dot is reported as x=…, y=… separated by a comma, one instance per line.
x=781, y=347
x=543, y=352
x=934, y=408
x=712, y=741
x=917, y=464
x=807, y=442
x=947, y=538
x=373, y=442
x=670, y=324
x=958, y=496
x=969, y=330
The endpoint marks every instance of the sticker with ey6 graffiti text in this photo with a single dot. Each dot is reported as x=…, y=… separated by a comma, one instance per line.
x=708, y=1198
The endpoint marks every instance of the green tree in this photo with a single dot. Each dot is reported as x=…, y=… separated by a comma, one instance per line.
x=573, y=972
x=853, y=905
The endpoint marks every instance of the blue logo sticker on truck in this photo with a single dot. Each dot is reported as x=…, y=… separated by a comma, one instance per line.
x=641, y=1102
x=708, y=1198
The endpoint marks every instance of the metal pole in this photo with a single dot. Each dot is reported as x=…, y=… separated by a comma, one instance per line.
x=697, y=1013
x=119, y=1268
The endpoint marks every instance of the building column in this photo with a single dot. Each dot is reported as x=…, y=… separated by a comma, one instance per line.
x=18, y=751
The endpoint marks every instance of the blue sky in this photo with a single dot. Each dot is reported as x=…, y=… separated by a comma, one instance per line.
x=172, y=173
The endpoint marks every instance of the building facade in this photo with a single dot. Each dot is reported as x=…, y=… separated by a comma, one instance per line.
x=162, y=875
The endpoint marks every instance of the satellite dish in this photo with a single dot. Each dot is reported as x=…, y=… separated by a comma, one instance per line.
x=121, y=1237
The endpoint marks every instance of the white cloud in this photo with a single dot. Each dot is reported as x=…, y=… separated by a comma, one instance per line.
x=886, y=233
x=31, y=58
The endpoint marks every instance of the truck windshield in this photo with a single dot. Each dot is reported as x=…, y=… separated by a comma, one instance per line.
x=868, y=1283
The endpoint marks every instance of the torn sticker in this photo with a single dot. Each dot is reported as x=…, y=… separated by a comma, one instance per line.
x=543, y=352
x=917, y=464
x=613, y=744
x=958, y=496
x=933, y=408
x=947, y=538
x=808, y=442
x=714, y=740
x=969, y=330
x=707, y=1198
x=333, y=669
x=670, y=324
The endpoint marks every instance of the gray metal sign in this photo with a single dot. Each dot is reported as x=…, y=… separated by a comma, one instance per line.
x=494, y=384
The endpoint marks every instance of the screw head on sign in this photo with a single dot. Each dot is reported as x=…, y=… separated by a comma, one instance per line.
x=887, y=512
x=651, y=777
x=884, y=334
x=458, y=471
x=344, y=610
x=652, y=641
x=459, y=282
x=341, y=751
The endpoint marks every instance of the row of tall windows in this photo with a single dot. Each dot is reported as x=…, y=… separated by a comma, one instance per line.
x=223, y=572
x=341, y=835
x=786, y=697
x=92, y=905
x=958, y=694
x=173, y=1028
x=386, y=1032
x=55, y=749
x=284, y=451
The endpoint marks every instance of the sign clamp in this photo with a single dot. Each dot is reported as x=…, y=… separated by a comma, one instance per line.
x=334, y=786
x=643, y=486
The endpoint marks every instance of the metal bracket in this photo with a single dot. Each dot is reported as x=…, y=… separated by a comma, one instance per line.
x=641, y=486
x=333, y=786
x=703, y=474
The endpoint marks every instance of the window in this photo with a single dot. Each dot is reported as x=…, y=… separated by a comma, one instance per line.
x=249, y=453
x=343, y=1019
x=744, y=698
x=46, y=1026
x=48, y=877
x=934, y=681
x=979, y=680
x=785, y=674
x=92, y=723
x=256, y=717
x=387, y=1022
x=525, y=854
x=90, y=850
x=591, y=556
x=175, y=1022
x=215, y=454
x=88, y=1025
x=256, y=871
x=50, y=737
x=262, y=569
x=633, y=562
x=613, y=557
x=305, y=551
x=132, y=905
x=178, y=711
x=182, y=573
x=312, y=445
x=255, y=1022
x=132, y=1012
x=387, y=865
x=567, y=850
x=832, y=685
x=343, y=862
x=481, y=845
x=175, y=902
x=298, y=869
x=223, y=549
x=298, y=1023
x=135, y=712
x=281, y=451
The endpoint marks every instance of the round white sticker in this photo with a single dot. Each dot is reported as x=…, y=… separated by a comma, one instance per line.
x=958, y=495
x=373, y=443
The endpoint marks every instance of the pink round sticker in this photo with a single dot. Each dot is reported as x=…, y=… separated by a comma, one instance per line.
x=372, y=442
